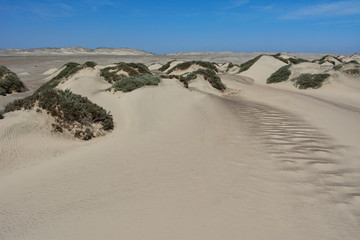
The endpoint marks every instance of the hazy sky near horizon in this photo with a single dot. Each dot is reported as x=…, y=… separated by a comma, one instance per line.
x=161, y=26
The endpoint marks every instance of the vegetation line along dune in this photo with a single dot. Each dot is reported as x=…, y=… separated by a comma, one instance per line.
x=72, y=112
x=10, y=82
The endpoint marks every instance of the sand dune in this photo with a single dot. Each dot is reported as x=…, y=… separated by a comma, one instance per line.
x=253, y=162
x=263, y=68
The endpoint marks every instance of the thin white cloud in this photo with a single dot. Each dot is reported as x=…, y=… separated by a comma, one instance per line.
x=236, y=4
x=341, y=8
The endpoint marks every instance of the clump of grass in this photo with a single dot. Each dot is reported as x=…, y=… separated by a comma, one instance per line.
x=1, y=114
x=352, y=71
x=337, y=67
x=132, y=69
x=208, y=74
x=245, y=66
x=166, y=66
x=90, y=64
x=10, y=82
x=128, y=84
x=280, y=75
x=186, y=65
x=278, y=56
x=354, y=62
x=297, y=60
x=71, y=111
x=231, y=65
x=324, y=59
x=307, y=80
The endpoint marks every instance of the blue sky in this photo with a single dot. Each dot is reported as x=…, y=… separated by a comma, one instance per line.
x=163, y=26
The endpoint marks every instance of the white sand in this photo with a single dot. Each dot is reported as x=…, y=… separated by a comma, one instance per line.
x=256, y=162
x=50, y=71
x=263, y=68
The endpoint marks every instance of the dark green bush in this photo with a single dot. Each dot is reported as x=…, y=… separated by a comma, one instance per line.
x=278, y=56
x=90, y=64
x=1, y=114
x=280, y=75
x=186, y=65
x=337, y=67
x=9, y=82
x=354, y=61
x=208, y=74
x=245, y=66
x=352, y=71
x=166, y=66
x=231, y=65
x=307, y=80
x=128, y=84
x=297, y=60
x=67, y=108
x=133, y=69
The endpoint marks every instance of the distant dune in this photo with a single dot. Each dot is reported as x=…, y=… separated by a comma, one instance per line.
x=71, y=51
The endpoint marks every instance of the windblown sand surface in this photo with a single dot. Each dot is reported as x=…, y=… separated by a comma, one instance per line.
x=254, y=162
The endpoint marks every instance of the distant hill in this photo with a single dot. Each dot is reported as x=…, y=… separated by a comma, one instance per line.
x=73, y=51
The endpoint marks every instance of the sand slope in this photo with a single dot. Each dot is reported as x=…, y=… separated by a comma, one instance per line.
x=263, y=68
x=255, y=162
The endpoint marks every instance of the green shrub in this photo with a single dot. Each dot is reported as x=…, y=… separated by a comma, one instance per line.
x=352, y=71
x=10, y=82
x=90, y=64
x=245, y=66
x=186, y=65
x=231, y=65
x=166, y=66
x=280, y=75
x=128, y=84
x=337, y=67
x=297, y=60
x=208, y=74
x=307, y=80
x=67, y=108
x=1, y=114
x=278, y=56
x=133, y=69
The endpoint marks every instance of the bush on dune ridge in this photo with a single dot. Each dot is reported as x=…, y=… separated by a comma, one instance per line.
x=208, y=74
x=166, y=66
x=128, y=84
x=186, y=65
x=307, y=80
x=10, y=82
x=245, y=66
x=132, y=69
x=71, y=111
x=280, y=75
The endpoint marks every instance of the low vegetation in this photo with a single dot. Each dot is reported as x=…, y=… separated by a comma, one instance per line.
x=10, y=82
x=128, y=84
x=186, y=65
x=1, y=114
x=325, y=59
x=111, y=75
x=208, y=74
x=307, y=80
x=278, y=56
x=90, y=64
x=297, y=60
x=280, y=75
x=166, y=66
x=71, y=111
x=245, y=66
x=231, y=65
